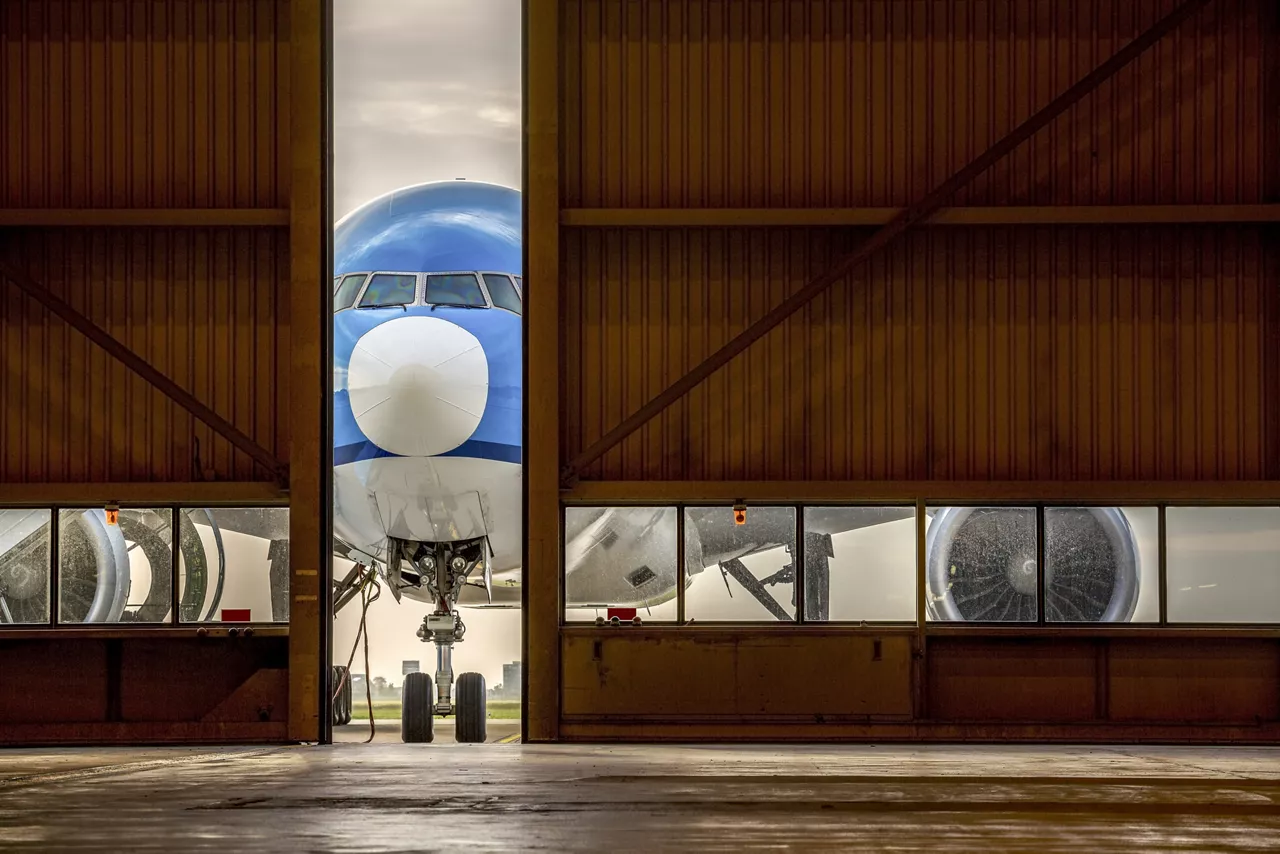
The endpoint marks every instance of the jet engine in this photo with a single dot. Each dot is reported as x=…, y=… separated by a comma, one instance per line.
x=982, y=565
x=96, y=584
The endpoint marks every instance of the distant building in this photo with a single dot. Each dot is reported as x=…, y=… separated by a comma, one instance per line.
x=509, y=689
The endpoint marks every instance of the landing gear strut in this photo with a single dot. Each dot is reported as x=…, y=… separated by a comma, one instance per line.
x=443, y=570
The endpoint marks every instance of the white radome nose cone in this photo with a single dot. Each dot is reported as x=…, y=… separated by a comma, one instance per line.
x=418, y=385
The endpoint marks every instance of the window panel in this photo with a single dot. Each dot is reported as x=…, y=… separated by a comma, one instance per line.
x=115, y=571
x=621, y=558
x=25, y=567
x=455, y=289
x=233, y=565
x=1102, y=564
x=390, y=289
x=860, y=564
x=744, y=572
x=347, y=291
x=980, y=564
x=1223, y=564
x=502, y=292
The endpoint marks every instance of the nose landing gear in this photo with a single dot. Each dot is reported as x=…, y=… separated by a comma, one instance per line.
x=444, y=570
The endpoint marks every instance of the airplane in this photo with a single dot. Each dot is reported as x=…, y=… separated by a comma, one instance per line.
x=428, y=296
x=427, y=460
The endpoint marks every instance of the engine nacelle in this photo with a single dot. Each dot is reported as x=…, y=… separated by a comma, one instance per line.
x=95, y=579
x=982, y=565
x=637, y=540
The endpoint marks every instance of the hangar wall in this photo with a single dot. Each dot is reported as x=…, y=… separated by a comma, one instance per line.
x=162, y=182
x=1092, y=319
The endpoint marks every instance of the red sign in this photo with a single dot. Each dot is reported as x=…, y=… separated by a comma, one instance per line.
x=622, y=613
x=235, y=615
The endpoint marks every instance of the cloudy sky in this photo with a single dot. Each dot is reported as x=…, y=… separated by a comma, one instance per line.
x=424, y=90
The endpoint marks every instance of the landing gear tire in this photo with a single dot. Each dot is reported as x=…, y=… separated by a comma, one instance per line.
x=347, y=694
x=416, y=708
x=471, y=718
x=342, y=699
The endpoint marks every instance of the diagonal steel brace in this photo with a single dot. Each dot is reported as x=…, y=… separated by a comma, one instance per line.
x=909, y=217
x=131, y=360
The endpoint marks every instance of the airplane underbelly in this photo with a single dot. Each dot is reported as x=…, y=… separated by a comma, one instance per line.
x=429, y=499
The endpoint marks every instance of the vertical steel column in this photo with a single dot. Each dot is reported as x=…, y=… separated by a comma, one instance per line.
x=1040, y=568
x=919, y=698
x=175, y=550
x=681, y=557
x=55, y=558
x=541, y=200
x=1162, y=560
x=310, y=373
x=797, y=562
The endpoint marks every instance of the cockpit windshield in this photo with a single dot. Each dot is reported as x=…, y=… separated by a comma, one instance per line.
x=347, y=290
x=461, y=290
x=455, y=289
x=386, y=289
x=502, y=291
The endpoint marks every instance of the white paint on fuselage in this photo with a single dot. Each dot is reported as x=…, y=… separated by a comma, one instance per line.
x=434, y=500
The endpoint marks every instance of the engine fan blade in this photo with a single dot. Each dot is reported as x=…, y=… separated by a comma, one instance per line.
x=982, y=565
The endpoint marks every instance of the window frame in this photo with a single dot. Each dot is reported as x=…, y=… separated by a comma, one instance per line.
x=369, y=277
x=359, y=292
x=921, y=625
x=53, y=621
x=488, y=295
x=475, y=274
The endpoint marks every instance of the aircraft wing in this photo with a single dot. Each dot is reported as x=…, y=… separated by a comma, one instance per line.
x=259, y=522
x=723, y=540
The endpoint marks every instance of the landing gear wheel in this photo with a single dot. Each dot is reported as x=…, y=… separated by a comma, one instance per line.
x=346, y=698
x=470, y=714
x=342, y=699
x=417, y=705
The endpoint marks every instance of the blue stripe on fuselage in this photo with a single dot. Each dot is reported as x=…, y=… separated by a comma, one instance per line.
x=471, y=449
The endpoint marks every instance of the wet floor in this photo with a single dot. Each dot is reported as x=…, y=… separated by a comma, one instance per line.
x=509, y=797
x=388, y=732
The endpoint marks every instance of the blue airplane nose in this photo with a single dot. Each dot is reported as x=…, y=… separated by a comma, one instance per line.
x=418, y=385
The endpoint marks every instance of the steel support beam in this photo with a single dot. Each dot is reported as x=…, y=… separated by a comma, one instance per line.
x=541, y=197
x=758, y=591
x=131, y=360
x=144, y=217
x=967, y=215
x=311, y=369
x=902, y=222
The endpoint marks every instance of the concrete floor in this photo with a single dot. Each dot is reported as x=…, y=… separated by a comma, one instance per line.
x=498, y=797
x=499, y=731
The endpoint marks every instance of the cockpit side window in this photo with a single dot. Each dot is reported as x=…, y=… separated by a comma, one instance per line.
x=502, y=291
x=455, y=289
x=347, y=290
x=390, y=289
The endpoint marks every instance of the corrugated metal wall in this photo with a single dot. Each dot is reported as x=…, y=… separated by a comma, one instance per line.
x=207, y=307
x=965, y=353
x=836, y=103
x=145, y=106
x=144, y=103
x=1059, y=353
